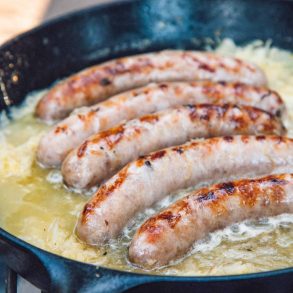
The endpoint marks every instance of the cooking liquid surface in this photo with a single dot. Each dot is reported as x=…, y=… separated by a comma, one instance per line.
x=36, y=207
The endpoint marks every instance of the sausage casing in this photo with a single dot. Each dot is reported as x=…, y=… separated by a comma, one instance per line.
x=102, y=81
x=171, y=233
x=71, y=132
x=145, y=181
x=102, y=154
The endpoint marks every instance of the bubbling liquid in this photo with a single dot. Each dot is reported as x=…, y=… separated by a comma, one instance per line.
x=36, y=207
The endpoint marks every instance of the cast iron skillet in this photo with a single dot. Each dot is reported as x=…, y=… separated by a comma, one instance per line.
x=58, y=48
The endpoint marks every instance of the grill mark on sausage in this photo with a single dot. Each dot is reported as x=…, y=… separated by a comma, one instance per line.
x=208, y=196
x=200, y=213
x=171, y=217
x=61, y=129
x=105, y=81
x=218, y=208
x=152, y=157
x=228, y=187
x=98, y=82
x=206, y=67
x=157, y=155
x=82, y=149
x=208, y=111
x=245, y=138
x=260, y=137
x=149, y=118
x=128, y=134
x=111, y=136
x=211, y=92
x=248, y=190
x=228, y=138
x=163, y=86
x=178, y=150
x=103, y=192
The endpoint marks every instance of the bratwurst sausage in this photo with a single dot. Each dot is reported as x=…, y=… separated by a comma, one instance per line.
x=71, y=132
x=171, y=233
x=101, y=155
x=143, y=182
x=99, y=82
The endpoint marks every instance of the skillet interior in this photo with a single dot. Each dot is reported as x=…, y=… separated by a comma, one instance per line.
x=55, y=50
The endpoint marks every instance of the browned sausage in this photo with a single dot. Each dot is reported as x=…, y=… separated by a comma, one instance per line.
x=143, y=182
x=71, y=132
x=102, y=154
x=96, y=83
x=171, y=233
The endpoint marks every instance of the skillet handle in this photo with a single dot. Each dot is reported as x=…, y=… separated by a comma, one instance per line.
x=67, y=276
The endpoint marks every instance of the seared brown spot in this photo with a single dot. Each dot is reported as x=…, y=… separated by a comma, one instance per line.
x=193, y=144
x=228, y=138
x=81, y=117
x=149, y=118
x=148, y=163
x=105, y=81
x=171, y=218
x=111, y=136
x=260, y=137
x=239, y=88
x=103, y=192
x=137, y=130
x=193, y=115
x=95, y=153
x=206, y=67
x=206, y=197
x=276, y=193
x=135, y=93
x=106, y=222
x=141, y=64
x=153, y=226
x=217, y=205
x=61, y=129
x=282, y=139
x=245, y=138
x=163, y=86
x=271, y=126
x=157, y=155
x=153, y=231
x=116, y=68
x=178, y=150
x=275, y=180
x=249, y=193
x=240, y=123
x=206, y=115
x=140, y=161
x=253, y=113
x=82, y=149
x=228, y=187
x=212, y=91
x=208, y=111
x=178, y=91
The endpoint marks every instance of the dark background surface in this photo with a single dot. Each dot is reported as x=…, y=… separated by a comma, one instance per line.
x=2, y=276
